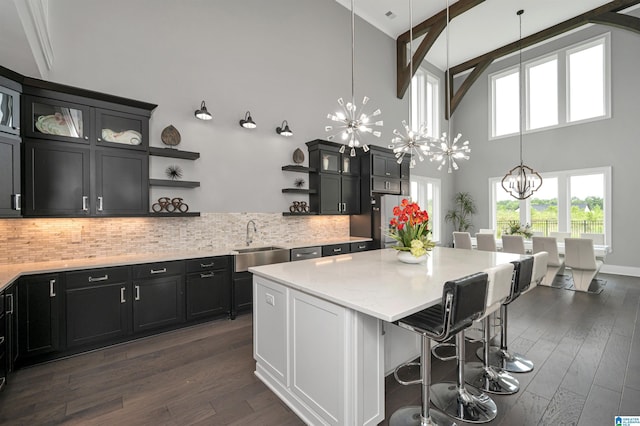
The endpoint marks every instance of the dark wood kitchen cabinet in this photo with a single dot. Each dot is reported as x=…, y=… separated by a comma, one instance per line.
x=242, y=293
x=10, y=194
x=208, y=288
x=335, y=181
x=158, y=295
x=98, y=305
x=121, y=183
x=38, y=315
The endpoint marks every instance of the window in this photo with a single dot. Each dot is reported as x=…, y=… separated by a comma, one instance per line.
x=586, y=77
x=587, y=84
x=424, y=96
x=542, y=93
x=426, y=192
x=575, y=201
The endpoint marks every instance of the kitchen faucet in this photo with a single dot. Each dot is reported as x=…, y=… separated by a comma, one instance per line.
x=249, y=240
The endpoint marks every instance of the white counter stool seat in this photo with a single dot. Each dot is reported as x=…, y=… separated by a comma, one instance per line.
x=462, y=303
x=513, y=244
x=484, y=376
x=486, y=242
x=501, y=357
x=580, y=257
x=462, y=240
x=555, y=264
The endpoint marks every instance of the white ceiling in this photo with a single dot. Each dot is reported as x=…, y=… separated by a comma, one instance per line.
x=491, y=24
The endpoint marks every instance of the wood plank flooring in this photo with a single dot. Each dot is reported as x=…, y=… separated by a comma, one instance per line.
x=586, y=350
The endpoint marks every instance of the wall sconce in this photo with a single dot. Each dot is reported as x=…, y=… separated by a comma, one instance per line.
x=284, y=130
x=202, y=113
x=248, y=122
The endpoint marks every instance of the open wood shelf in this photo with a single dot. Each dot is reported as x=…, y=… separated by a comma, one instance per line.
x=299, y=191
x=299, y=169
x=166, y=214
x=174, y=183
x=299, y=214
x=174, y=153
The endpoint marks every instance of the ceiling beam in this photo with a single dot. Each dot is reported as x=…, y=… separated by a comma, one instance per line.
x=605, y=14
x=433, y=27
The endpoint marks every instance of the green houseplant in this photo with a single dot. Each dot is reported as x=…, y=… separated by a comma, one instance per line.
x=460, y=217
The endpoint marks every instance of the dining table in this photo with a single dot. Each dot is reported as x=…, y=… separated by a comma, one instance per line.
x=600, y=250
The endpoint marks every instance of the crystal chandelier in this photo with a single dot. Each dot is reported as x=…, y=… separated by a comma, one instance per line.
x=521, y=181
x=410, y=142
x=444, y=150
x=353, y=122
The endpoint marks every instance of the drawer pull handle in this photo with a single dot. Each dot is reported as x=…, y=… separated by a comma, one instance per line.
x=208, y=265
x=10, y=298
x=209, y=275
x=362, y=247
x=100, y=202
x=122, y=299
x=95, y=280
x=52, y=290
x=137, y=292
x=85, y=203
x=16, y=202
x=158, y=271
x=337, y=250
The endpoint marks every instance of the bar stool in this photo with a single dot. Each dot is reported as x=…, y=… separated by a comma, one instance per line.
x=501, y=357
x=483, y=375
x=462, y=302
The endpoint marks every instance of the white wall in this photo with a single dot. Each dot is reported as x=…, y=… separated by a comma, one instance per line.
x=612, y=142
x=281, y=59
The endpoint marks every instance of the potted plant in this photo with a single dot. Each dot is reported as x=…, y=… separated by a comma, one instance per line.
x=410, y=228
x=460, y=217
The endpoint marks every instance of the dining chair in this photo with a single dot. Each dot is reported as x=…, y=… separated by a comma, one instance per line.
x=513, y=244
x=462, y=240
x=555, y=264
x=598, y=239
x=486, y=242
x=538, y=234
x=486, y=231
x=560, y=236
x=580, y=257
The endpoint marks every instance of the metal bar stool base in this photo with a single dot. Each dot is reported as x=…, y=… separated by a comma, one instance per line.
x=494, y=381
x=411, y=416
x=466, y=404
x=511, y=362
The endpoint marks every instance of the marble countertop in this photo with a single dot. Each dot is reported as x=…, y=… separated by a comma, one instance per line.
x=376, y=283
x=11, y=272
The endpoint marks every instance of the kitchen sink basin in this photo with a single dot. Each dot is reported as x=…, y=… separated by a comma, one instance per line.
x=256, y=256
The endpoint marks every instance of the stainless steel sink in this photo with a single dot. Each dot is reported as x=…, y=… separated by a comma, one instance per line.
x=256, y=256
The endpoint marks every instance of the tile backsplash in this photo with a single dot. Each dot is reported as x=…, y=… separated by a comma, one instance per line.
x=37, y=240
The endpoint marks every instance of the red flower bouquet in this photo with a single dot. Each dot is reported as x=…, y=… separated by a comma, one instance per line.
x=410, y=228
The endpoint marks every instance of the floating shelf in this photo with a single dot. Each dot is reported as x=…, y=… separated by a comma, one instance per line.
x=299, y=214
x=299, y=169
x=166, y=214
x=174, y=153
x=299, y=191
x=174, y=183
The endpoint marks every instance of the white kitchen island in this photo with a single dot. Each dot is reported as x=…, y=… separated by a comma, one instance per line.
x=322, y=332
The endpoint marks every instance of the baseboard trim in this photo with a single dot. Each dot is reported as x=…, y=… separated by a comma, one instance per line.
x=630, y=271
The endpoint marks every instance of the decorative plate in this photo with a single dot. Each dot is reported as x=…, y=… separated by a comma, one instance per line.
x=170, y=136
x=298, y=156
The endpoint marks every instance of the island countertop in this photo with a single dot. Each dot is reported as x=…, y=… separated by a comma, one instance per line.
x=376, y=283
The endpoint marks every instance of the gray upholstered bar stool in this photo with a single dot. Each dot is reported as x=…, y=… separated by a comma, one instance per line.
x=483, y=375
x=462, y=303
x=501, y=357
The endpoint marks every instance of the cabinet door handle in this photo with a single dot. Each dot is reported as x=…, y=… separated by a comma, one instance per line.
x=100, y=200
x=362, y=247
x=99, y=140
x=10, y=298
x=208, y=265
x=95, y=280
x=16, y=202
x=344, y=207
x=387, y=174
x=339, y=207
x=158, y=271
x=86, y=138
x=122, y=290
x=337, y=250
x=52, y=290
x=85, y=203
x=137, y=292
x=209, y=275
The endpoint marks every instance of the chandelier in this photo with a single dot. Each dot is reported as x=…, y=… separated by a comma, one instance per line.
x=444, y=150
x=353, y=122
x=414, y=143
x=521, y=181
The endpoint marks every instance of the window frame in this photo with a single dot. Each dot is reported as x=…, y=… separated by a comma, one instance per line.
x=421, y=111
x=527, y=84
x=492, y=96
x=436, y=225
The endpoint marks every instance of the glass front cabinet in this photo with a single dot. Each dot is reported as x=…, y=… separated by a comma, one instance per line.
x=9, y=109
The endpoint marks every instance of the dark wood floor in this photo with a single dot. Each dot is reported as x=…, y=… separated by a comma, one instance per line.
x=586, y=351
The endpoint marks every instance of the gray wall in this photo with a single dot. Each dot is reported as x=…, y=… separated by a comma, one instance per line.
x=281, y=59
x=612, y=142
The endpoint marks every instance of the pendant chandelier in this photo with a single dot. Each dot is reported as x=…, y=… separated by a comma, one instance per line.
x=521, y=181
x=414, y=143
x=445, y=150
x=353, y=122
